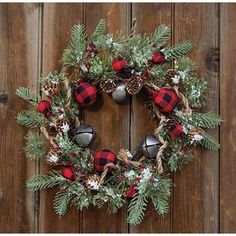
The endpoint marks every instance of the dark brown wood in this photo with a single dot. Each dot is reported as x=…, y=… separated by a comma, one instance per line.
x=58, y=19
x=196, y=195
x=110, y=121
x=227, y=110
x=32, y=40
x=19, y=36
x=141, y=122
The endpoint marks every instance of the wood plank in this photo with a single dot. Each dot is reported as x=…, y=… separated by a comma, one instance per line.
x=227, y=131
x=141, y=123
x=19, y=37
x=58, y=20
x=109, y=120
x=196, y=201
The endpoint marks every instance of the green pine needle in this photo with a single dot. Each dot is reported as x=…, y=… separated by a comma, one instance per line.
x=205, y=120
x=186, y=64
x=28, y=95
x=61, y=202
x=73, y=55
x=161, y=197
x=177, y=160
x=161, y=35
x=137, y=208
x=99, y=31
x=177, y=50
x=50, y=180
x=30, y=119
x=35, y=146
x=209, y=142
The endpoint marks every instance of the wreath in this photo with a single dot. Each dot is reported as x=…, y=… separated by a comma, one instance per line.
x=120, y=66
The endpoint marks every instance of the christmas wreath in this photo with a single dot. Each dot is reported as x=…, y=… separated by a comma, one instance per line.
x=141, y=65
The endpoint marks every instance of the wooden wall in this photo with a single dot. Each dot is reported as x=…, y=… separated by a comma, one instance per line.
x=32, y=39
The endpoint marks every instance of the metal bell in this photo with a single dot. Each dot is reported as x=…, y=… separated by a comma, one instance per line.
x=84, y=135
x=149, y=146
x=120, y=94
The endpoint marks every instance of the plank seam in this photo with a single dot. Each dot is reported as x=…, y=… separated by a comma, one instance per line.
x=39, y=72
x=172, y=175
x=130, y=17
x=219, y=107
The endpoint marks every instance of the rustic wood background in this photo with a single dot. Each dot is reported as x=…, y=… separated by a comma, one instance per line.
x=32, y=39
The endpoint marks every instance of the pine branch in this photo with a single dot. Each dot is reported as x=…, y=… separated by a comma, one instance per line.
x=61, y=202
x=186, y=64
x=28, y=95
x=205, y=120
x=30, y=119
x=136, y=209
x=209, y=142
x=73, y=55
x=177, y=51
x=99, y=31
x=161, y=35
x=160, y=200
x=50, y=180
x=35, y=148
x=195, y=89
x=54, y=78
x=177, y=160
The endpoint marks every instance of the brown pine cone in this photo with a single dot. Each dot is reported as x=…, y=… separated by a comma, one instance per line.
x=93, y=182
x=49, y=88
x=62, y=125
x=108, y=86
x=134, y=85
x=172, y=76
x=53, y=156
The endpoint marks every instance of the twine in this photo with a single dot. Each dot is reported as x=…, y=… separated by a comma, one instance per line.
x=164, y=143
x=104, y=173
x=152, y=85
x=47, y=136
x=123, y=156
x=133, y=28
x=68, y=95
x=188, y=110
x=68, y=101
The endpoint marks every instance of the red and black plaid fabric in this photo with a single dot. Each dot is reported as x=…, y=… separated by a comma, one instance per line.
x=85, y=94
x=166, y=100
x=45, y=107
x=102, y=158
x=176, y=130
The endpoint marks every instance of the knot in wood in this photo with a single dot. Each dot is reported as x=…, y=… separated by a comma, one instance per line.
x=4, y=99
x=212, y=59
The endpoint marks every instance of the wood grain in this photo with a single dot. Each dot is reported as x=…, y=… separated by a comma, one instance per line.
x=19, y=36
x=58, y=20
x=196, y=195
x=32, y=40
x=227, y=110
x=110, y=121
x=141, y=123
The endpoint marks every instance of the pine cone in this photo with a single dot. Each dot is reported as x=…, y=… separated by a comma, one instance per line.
x=53, y=156
x=93, y=182
x=49, y=88
x=172, y=76
x=108, y=86
x=62, y=125
x=134, y=85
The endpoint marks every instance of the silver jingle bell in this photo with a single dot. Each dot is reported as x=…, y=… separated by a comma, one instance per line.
x=84, y=135
x=149, y=146
x=120, y=94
